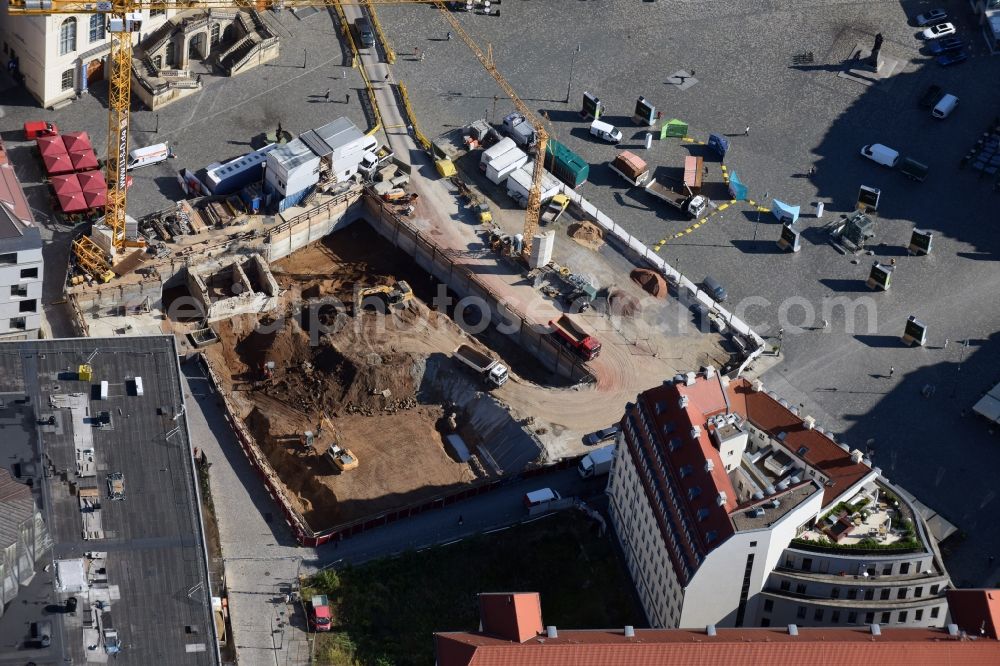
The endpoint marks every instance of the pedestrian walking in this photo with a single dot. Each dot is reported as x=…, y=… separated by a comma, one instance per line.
x=327, y=95
x=449, y=35
x=460, y=519
x=892, y=370
x=812, y=171
x=946, y=343
x=692, y=73
x=826, y=324
x=892, y=262
x=746, y=132
x=387, y=77
x=347, y=98
x=421, y=56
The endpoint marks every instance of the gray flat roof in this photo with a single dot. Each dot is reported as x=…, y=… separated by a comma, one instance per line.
x=155, y=566
x=326, y=139
x=788, y=500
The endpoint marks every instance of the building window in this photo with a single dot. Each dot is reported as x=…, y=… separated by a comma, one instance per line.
x=768, y=605
x=801, y=613
x=919, y=592
x=28, y=273
x=919, y=615
x=835, y=617
x=753, y=544
x=785, y=586
x=852, y=617
x=67, y=36
x=215, y=33
x=96, y=27
x=818, y=615
x=885, y=594
x=901, y=594
x=904, y=568
x=28, y=306
x=800, y=588
x=835, y=593
x=169, y=59
x=902, y=616
x=934, y=611
x=18, y=291
x=790, y=562
x=807, y=564
x=20, y=323
x=157, y=12
x=886, y=617
x=10, y=258
x=869, y=618
x=765, y=622
x=935, y=588
x=869, y=594
x=685, y=470
x=67, y=79
x=852, y=593
x=887, y=570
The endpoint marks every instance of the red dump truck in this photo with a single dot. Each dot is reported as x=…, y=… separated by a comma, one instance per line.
x=569, y=333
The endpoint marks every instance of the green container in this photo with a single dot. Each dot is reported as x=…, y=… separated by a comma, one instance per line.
x=566, y=165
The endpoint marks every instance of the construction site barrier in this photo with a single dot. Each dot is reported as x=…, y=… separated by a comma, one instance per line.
x=380, y=36
x=412, y=116
x=345, y=31
x=638, y=250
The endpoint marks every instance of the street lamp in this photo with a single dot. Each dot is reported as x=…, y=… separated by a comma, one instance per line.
x=572, y=64
x=767, y=195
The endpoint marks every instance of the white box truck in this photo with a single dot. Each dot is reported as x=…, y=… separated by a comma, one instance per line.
x=596, y=462
x=499, y=168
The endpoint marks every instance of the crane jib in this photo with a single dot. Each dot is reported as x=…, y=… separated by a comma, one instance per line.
x=122, y=151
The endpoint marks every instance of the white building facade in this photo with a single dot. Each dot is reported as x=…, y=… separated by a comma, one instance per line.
x=758, y=544
x=20, y=260
x=58, y=57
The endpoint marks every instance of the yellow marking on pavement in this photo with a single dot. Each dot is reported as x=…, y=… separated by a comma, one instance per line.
x=723, y=207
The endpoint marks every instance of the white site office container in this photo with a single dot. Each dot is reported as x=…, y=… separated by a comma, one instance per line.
x=138, y=386
x=104, y=390
x=498, y=170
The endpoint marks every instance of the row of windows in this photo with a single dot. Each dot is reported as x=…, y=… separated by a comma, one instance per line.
x=885, y=617
x=67, y=30
x=868, y=594
x=872, y=569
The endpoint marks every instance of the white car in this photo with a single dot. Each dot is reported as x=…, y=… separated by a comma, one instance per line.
x=933, y=16
x=939, y=30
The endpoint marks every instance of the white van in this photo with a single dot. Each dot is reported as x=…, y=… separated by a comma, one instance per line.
x=605, y=131
x=945, y=106
x=154, y=154
x=885, y=155
x=540, y=496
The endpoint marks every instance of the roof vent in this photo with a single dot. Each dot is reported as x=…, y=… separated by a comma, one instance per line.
x=809, y=422
x=793, y=630
x=876, y=630
x=758, y=385
x=953, y=630
x=684, y=401
x=629, y=631
x=709, y=371
x=690, y=378
x=782, y=435
x=756, y=512
x=678, y=379
x=795, y=479
x=551, y=631
x=709, y=465
x=844, y=446
x=758, y=495
x=770, y=490
x=721, y=499
x=695, y=432
x=857, y=456
x=724, y=379
x=710, y=630
x=775, y=503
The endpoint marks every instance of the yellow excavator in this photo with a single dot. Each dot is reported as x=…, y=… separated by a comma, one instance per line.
x=395, y=296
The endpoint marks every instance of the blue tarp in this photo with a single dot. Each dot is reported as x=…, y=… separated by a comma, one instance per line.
x=719, y=144
x=737, y=189
x=784, y=212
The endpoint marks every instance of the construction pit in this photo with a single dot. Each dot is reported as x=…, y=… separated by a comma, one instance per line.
x=317, y=372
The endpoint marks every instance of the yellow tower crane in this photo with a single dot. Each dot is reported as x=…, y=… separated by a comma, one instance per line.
x=123, y=18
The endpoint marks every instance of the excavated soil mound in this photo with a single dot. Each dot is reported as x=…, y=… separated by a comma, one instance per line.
x=651, y=282
x=587, y=234
x=622, y=304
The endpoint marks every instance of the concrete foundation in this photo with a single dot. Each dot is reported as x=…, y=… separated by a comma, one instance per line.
x=243, y=286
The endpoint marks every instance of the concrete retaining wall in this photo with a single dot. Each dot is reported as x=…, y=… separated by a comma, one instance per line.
x=299, y=228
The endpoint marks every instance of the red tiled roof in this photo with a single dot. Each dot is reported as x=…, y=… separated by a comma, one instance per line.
x=730, y=647
x=511, y=616
x=819, y=450
x=976, y=612
x=662, y=406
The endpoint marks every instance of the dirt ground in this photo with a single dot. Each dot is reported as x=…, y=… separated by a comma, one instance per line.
x=351, y=381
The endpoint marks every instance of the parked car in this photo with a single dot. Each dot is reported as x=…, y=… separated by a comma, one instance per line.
x=952, y=58
x=880, y=153
x=931, y=96
x=945, y=45
x=36, y=128
x=602, y=435
x=931, y=17
x=938, y=31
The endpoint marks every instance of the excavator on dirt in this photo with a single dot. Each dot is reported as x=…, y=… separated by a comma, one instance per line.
x=383, y=297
